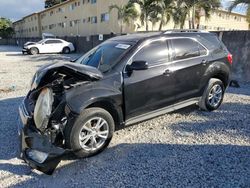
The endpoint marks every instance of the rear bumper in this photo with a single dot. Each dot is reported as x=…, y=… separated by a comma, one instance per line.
x=32, y=140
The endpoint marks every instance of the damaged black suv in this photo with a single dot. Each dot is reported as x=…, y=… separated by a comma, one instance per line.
x=75, y=107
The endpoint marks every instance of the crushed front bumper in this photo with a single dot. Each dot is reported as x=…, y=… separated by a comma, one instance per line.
x=25, y=50
x=32, y=140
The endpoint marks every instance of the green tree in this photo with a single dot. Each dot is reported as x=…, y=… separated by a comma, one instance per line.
x=126, y=13
x=206, y=7
x=166, y=8
x=192, y=10
x=6, y=29
x=51, y=3
x=148, y=8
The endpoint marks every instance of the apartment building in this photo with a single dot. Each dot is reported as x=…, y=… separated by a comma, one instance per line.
x=91, y=17
x=29, y=26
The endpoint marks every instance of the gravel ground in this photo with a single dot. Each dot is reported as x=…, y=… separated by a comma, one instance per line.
x=188, y=148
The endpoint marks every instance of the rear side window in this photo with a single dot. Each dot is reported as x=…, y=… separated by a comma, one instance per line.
x=213, y=43
x=187, y=48
x=153, y=53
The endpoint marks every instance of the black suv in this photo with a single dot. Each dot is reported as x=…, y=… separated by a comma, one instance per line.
x=76, y=106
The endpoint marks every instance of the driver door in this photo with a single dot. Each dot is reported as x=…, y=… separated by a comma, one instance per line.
x=47, y=47
x=149, y=90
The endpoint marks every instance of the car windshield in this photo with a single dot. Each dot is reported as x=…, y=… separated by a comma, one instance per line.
x=104, y=56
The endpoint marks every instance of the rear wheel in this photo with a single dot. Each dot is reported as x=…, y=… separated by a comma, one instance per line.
x=213, y=95
x=66, y=50
x=34, y=51
x=91, y=133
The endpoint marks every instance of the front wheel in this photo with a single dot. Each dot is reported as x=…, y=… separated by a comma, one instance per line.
x=91, y=132
x=213, y=95
x=66, y=50
x=34, y=51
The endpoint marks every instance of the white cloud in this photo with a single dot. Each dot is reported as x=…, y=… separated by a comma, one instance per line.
x=16, y=9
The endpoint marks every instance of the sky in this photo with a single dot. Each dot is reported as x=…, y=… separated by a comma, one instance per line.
x=16, y=9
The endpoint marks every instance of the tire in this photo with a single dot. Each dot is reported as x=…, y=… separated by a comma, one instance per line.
x=34, y=51
x=216, y=89
x=66, y=50
x=74, y=132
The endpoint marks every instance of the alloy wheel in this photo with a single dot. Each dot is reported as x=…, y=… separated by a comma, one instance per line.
x=215, y=95
x=93, y=134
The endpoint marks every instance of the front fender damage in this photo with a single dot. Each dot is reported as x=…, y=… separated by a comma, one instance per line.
x=43, y=141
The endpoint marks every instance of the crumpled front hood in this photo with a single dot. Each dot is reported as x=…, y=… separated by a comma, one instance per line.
x=79, y=71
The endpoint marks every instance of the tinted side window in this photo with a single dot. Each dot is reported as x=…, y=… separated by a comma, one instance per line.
x=213, y=43
x=53, y=42
x=153, y=53
x=203, y=51
x=185, y=48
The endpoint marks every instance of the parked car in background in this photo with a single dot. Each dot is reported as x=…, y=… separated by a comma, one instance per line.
x=49, y=46
x=76, y=107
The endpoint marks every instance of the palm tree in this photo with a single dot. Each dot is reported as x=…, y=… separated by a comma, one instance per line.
x=206, y=7
x=235, y=3
x=148, y=8
x=166, y=8
x=183, y=9
x=125, y=13
x=154, y=18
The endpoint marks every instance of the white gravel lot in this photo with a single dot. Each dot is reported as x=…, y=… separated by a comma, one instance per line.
x=188, y=148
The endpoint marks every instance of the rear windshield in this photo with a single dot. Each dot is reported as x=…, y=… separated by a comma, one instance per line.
x=105, y=56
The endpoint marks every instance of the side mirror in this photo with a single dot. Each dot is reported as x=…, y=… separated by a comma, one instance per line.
x=138, y=65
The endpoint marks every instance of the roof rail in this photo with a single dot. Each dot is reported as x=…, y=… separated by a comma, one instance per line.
x=184, y=31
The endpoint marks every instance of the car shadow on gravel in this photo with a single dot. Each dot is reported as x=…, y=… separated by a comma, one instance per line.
x=154, y=165
x=232, y=119
x=145, y=164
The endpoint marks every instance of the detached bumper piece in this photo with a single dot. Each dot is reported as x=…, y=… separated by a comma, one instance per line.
x=36, y=149
x=39, y=153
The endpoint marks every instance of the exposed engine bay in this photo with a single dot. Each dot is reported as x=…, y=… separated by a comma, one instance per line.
x=45, y=114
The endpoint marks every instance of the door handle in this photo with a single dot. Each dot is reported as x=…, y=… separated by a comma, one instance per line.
x=204, y=62
x=167, y=72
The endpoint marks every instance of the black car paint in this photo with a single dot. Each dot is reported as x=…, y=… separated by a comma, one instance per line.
x=124, y=93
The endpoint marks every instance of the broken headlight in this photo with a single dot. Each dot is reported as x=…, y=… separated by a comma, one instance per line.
x=43, y=108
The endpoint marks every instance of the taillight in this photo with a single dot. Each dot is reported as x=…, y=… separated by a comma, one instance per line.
x=230, y=58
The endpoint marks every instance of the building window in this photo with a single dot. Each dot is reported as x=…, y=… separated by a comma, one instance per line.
x=83, y=20
x=71, y=24
x=104, y=17
x=89, y=19
x=93, y=1
x=43, y=15
x=71, y=7
x=76, y=22
x=52, y=26
x=94, y=19
x=51, y=13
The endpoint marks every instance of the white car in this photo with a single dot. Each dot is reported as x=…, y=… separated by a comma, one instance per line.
x=49, y=46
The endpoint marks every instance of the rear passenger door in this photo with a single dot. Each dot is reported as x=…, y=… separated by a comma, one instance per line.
x=151, y=89
x=190, y=60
